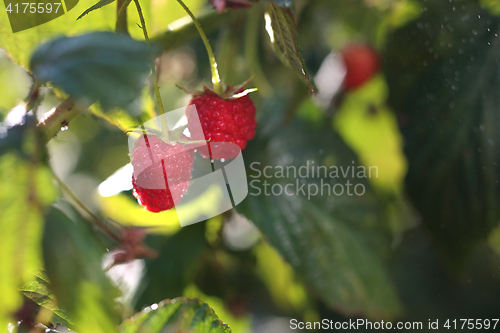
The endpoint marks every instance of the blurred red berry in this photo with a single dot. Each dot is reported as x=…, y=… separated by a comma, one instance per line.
x=361, y=62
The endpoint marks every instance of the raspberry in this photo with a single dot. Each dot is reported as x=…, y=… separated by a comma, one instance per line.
x=222, y=120
x=361, y=63
x=161, y=172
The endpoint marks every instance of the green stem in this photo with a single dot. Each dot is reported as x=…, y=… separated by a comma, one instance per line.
x=94, y=219
x=213, y=65
x=164, y=125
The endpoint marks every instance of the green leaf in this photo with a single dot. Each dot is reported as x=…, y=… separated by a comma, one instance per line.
x=25, y=189
x=101, y=66
x=177, y=315
x=98, y=5
x=38, y=290
x=73, y=258
x=282, y=30
x=444, y=84
x=283, y=3
x=335, y=242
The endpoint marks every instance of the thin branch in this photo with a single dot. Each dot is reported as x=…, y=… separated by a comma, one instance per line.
x=93, y=218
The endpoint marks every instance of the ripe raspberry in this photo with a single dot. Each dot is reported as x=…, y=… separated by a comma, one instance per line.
x=161, y=172
x=361, y=63
x=222, y=120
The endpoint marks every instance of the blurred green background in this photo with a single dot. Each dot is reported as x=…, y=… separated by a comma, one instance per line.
x=422, y=243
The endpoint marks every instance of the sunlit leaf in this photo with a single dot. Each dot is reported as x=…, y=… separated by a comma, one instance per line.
x=14, y=84
x=240, y=323
x=177, y=315
x=38, y=290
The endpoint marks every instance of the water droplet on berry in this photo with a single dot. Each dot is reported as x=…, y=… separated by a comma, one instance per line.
x=222, y=160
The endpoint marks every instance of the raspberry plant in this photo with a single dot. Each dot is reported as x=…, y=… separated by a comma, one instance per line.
x=91, y=239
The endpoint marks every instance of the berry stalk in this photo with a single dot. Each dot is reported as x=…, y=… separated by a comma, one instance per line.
x=213, y=64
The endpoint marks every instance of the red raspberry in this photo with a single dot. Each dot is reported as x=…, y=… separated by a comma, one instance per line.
x=361, y=63
x=222, y=120
x=161, y=172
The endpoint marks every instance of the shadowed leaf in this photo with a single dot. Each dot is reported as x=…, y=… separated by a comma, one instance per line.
x=101, y=66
